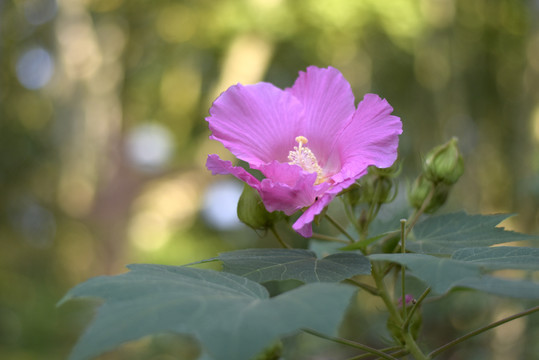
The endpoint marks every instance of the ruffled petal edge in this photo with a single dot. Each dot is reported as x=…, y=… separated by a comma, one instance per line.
x=218, y=166
x=303, y=224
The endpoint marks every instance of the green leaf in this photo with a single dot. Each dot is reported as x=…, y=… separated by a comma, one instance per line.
x=521, y=289
x=262, y=265
x=443, y=274
x=500, y=257
x=232, y=317
x=324, y=248
x=446, y=233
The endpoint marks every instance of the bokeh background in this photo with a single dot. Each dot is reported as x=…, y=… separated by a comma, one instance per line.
x=103, y=140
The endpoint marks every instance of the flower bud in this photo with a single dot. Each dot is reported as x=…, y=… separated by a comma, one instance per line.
x=353, y=194
x=391, y=172
x=376, y=187
x=444, y=163
x=252, y=212
x=420, y=192
x=408, y=300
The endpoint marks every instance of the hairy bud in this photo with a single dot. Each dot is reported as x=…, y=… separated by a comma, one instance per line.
x=444, y=163
x=374, y=188
x=252, y=212
x=424, y=190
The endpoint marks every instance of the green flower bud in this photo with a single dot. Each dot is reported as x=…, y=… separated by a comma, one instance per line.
x=420, y=190
x=376, y=187
x=441, y=193
x=252, y=212
x=391, y=172
x=444, y=163
x=382, y=190
x=353, y=194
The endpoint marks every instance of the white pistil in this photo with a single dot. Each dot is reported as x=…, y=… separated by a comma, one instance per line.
x=304, y=157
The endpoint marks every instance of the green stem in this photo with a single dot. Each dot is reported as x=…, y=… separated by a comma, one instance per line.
x=370, y=289
x=409, y=341
x=375, y=204
x=279, y=239
x=414, y=309
x=350, y=215
x=340, y=227
x=351, y=343
x=378, y=276
x=328, y=238
x=403, y=268
x=397, y=354
x=413, y=219
x=481, y=330
x=413, y=348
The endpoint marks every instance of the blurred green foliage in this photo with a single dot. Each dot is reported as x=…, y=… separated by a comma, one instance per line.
x=84, y=191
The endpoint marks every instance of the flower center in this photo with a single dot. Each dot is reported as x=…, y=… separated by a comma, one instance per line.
x=304, y=157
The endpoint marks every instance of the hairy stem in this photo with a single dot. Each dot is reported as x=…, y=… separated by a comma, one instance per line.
x=279, y=239
x=340, y=227
x=328, y=238
x=403, y=268
x=415, y=216
x=374, y=206
x=413, y=348
x=377, y=274
x=350, y=215
x=409, y=341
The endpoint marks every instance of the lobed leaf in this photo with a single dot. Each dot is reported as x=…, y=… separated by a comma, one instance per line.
x=441, y=274
x=262, y=265
x=444, y=274
x=521, y=289
x=231, y=316
x=500, y=257
x=444, y=234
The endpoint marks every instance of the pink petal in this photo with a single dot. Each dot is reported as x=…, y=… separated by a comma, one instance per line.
x=329, y=104
x=218, y=166
x=283, y=172
x=371, y=138
x=303, y=224
x=287, y=187
x=257, y=123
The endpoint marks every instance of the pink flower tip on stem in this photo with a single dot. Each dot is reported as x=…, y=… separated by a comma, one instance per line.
x=308, y=141
x=408, y=299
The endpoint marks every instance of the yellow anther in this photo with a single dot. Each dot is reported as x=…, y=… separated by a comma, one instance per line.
x=302, y=140
x=304, y=157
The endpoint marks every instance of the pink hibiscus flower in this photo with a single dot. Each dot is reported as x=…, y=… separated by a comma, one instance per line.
x=309, y=141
